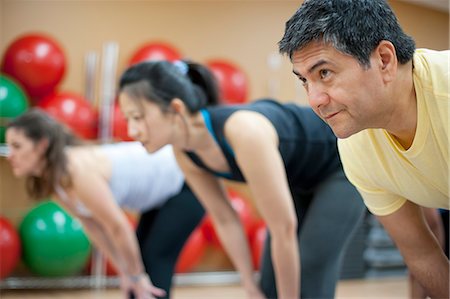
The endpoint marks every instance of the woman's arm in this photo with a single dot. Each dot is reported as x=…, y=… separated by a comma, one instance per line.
x=111, y=229
x=211, y=192
x=257, y=154
x=95, y=233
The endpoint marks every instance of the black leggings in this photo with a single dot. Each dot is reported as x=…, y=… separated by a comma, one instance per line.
x=162, y=233
x=327, y=217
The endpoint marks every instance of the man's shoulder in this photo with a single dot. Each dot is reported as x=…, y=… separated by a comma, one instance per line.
x=431, y=64
x=431, y=53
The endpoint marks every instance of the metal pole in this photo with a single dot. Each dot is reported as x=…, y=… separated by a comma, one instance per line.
x=107, y=95
x=90, y=62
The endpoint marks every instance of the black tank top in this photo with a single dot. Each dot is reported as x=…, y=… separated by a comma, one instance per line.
x=306, y=143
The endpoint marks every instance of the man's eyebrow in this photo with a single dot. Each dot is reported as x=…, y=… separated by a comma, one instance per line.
x=311, y=69
x=316, y=65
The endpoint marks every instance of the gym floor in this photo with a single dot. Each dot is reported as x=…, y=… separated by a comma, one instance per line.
x=374, y=288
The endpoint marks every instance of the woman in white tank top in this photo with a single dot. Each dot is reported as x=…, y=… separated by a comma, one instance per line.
x=93, y=183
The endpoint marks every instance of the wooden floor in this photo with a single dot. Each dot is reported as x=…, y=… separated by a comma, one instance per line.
x=374, y=288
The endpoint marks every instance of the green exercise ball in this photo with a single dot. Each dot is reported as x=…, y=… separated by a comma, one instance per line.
x=53, y=242
x=13, y=102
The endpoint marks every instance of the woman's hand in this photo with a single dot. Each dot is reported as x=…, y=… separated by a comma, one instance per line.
x=254, y=293
x=140, y=286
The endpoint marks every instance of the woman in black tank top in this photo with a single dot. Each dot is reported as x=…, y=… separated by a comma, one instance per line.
x=283, y=152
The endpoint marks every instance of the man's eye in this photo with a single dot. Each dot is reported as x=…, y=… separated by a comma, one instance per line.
x=324, y=73
x=302, y=80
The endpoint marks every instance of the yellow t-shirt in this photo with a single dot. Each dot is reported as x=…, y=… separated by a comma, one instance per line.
x=383, y=171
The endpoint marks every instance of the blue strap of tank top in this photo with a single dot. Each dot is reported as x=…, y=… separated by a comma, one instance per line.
x=208, y=124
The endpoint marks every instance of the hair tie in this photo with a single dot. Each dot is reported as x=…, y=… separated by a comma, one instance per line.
x=182, y=66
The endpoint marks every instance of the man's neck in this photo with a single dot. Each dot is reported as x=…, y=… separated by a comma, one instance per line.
x=404, y=117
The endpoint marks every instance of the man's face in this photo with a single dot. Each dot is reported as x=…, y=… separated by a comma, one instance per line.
x=346, y=95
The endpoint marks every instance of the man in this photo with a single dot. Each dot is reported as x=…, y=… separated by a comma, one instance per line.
x=389, y=105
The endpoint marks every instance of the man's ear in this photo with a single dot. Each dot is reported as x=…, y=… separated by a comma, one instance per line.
x=178, y=106
x=386, y=55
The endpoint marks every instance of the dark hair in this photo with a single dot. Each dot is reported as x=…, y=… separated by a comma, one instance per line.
x=162, y=81
x=354, y=27
x=37, y=125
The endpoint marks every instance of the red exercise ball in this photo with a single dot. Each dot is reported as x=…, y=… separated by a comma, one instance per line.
x=119, y=124
x=10, y=248
x=192, y=252
x=37, y=62
x=245, y=215
x=155, y=51
x=231, y=80
x=74, y=111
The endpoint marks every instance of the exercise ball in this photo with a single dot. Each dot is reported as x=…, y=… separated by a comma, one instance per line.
x=231, y=80
x=244, y=212
x=74, y=111
x=53, y=242
x=36, y=61
x=13, y=102
x=10, y=248
x=155, y=51
x=192, y=252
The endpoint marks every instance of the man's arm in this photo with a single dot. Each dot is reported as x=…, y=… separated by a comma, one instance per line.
x=420, y=249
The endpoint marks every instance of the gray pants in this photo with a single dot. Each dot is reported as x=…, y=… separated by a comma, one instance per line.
x=328, y=217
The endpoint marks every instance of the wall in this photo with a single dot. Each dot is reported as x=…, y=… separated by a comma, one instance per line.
x=246, y=32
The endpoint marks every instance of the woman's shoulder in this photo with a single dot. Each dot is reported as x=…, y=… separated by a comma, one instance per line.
x=85, y=159
x=249, y=126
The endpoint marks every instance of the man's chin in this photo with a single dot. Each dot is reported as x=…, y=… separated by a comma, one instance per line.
x=342, y=134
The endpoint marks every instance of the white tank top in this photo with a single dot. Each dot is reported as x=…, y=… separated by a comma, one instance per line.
x=142, y=181
x=139, y=181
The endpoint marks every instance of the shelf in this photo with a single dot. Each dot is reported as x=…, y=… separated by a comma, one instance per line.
x=92, y=281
